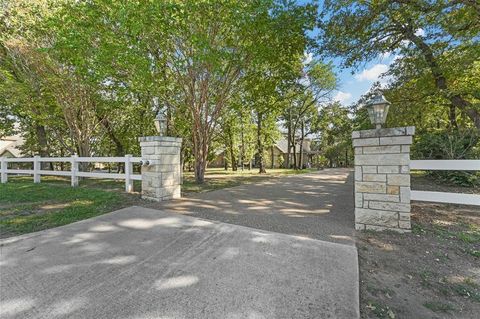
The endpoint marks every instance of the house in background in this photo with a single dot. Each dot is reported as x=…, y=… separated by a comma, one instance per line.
x=219, y=159
x=275, y=156
x=10, y=146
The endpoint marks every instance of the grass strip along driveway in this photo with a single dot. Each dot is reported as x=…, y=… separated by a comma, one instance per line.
x=27, y=207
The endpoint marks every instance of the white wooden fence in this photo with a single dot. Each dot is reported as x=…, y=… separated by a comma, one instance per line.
x=446, y=165
x=74, y=173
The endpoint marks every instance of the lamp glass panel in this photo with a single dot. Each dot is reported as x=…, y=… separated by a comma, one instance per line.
x=371, y=114
x=380, y=112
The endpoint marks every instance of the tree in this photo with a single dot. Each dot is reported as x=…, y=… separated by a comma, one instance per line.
x=27, y=98
x=424, y=32
x=336, y=132
x=229, y=133
x=312, y=88
x=262, y=101
x=41, y=94
x=189, y=55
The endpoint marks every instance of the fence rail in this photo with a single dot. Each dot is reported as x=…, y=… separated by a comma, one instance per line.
x=446, y=165
x=445, y=197
x=74, y=173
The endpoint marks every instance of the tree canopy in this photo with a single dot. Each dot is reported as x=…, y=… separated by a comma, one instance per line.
x=231, y=76
x=436, y=42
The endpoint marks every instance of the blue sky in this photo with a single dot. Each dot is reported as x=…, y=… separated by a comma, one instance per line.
x=353, y=83
x=352, y=86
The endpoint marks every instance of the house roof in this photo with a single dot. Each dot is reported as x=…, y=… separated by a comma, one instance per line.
x=282, y=145
x=11, y=145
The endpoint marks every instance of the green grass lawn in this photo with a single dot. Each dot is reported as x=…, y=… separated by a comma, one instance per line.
x=27, y=207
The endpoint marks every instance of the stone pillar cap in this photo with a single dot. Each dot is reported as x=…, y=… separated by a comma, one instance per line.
x=160, y=139
x=384, y=132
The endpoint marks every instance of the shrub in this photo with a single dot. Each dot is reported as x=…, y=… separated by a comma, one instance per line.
x=457, y=144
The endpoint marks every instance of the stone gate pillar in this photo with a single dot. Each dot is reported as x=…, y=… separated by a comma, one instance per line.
x=161, y=175
x=382, y=178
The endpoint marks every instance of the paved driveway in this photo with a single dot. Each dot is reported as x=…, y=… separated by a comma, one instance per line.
x=144, y=263
x=319, y=205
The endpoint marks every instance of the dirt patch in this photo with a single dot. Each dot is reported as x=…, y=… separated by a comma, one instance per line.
x=433, y=272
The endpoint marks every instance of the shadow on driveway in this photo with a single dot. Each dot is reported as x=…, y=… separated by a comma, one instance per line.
x=317, y=205
x=145, y=264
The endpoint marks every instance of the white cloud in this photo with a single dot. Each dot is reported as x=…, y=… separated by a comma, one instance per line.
x=305, y=81
x=308, y=58
x=373, y=73
x=420, y=32
x=342, y=97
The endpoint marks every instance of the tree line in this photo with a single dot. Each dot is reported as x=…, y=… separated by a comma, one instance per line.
x=89, y=77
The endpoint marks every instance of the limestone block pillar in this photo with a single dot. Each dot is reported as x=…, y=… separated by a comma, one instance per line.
x=382, y=178
x=161, y=176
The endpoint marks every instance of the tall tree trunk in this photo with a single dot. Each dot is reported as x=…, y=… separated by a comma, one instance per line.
x=43, y=145
x=83, y=150
x=456, y=100
x=42, y=140
x=289, y=137
x=233, y=159
x=200, y=166
x=242, y=155
x=294, y=147
x=302, y=136
x=272, y=158
x=261, y=164
x=232, y=151
x=200, y=151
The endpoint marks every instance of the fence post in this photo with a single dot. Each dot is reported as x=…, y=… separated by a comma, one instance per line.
x=4, y=170
x=128, y=173
x=36, y=169
x=74, y=170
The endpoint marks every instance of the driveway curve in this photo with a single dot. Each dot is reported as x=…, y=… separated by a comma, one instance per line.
x=317, y=205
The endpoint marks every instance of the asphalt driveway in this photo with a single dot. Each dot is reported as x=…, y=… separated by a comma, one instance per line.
x=145, y=263
x=317, y=205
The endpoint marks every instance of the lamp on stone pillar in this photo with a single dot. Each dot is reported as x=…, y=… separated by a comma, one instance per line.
x=377, y=110
x=161, y=124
